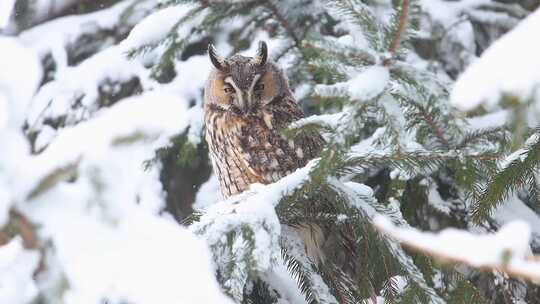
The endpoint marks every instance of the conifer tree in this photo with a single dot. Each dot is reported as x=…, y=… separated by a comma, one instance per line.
x=375, y=78
x=397, y=134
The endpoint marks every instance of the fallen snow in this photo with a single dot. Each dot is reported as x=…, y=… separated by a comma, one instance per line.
x=508, y=67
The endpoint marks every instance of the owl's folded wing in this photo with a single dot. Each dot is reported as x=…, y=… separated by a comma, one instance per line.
x=267, y=153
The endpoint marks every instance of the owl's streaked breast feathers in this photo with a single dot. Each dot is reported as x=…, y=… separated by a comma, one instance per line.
x=248, y=103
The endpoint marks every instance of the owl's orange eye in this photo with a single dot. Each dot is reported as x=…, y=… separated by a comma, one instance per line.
x=228, y=90
x=259, y=87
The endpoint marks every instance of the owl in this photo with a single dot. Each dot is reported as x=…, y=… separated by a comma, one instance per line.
x=247, y=104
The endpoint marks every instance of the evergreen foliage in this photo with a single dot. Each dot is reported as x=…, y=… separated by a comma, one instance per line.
x=412, y=102
x=395, y=147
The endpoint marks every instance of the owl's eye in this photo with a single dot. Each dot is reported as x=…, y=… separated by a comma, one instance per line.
x=228, y=90
x=259, y=87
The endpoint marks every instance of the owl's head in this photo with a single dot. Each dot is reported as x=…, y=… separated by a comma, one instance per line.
x=244, y=85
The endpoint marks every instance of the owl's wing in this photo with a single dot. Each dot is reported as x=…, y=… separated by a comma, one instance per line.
x=266, y=152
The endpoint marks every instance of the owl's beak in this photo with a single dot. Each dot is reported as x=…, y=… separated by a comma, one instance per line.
x=244, y=102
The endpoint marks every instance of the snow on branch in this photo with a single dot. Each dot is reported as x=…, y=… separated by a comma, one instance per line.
x=56, y=36
x=509, y=67
x=16, y=269
x=364, y=85
x=131, y=120
x=86, y=81
x=507, y=250
x=244, y=231
x=107, y=215
x=6, y=10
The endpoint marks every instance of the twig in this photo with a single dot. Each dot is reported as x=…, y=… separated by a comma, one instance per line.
x=4, y=238
x=474, y=137
x=54, y=177
x=284, y=52
x=26, y=230
x=403, y=16
x=438, y=132
x=283, y=23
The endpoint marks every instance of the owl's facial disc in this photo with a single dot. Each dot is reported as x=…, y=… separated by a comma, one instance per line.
x=245, y=98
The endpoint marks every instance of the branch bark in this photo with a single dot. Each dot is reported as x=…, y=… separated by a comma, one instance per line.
x=394, y=44
x=438, y=132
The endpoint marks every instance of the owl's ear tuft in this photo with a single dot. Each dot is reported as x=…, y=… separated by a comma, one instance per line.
x=216, y=60
x=262, y=54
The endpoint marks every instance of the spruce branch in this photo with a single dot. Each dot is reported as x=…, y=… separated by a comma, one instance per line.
x=507, y=180
x=361, y=14
x=430, y=121
x=344, y=288
x=284, y=23
x=492, y=134
x=378, y=247
x=412, y=162
x=403, y=16
x=301, y=275
x=433, y=125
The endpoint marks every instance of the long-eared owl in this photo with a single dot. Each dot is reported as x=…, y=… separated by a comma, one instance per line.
x=247, y=103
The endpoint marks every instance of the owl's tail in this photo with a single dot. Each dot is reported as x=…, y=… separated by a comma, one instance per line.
x=313, y=238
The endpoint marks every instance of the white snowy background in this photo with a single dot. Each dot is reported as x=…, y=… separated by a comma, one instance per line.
x=104, y=235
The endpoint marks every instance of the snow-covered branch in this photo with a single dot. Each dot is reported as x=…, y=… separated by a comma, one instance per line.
x=507, y=68
x=246, y=228
x=506, y=250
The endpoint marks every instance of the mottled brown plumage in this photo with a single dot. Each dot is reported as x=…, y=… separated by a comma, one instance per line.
x=247, y=103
